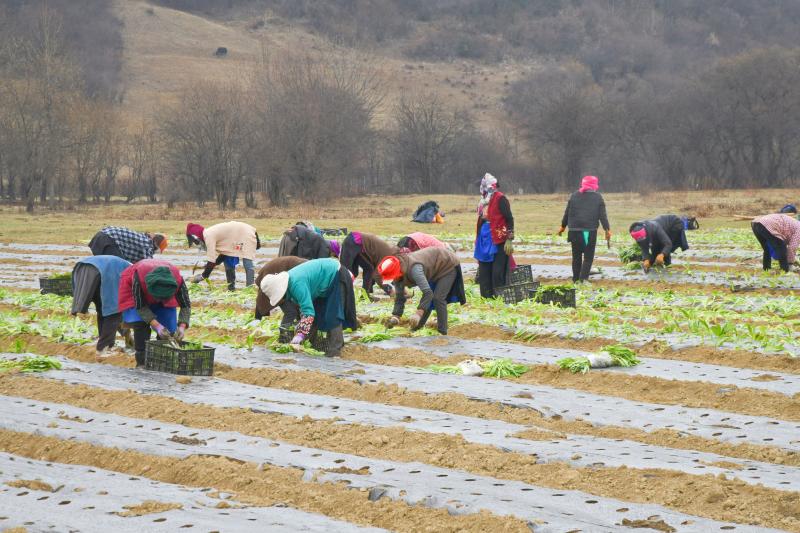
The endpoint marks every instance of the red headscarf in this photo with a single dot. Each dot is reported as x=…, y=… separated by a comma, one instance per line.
x=589, y=183
x=196, y=231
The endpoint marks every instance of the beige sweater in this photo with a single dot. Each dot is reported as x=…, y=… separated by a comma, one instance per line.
x=234, y=239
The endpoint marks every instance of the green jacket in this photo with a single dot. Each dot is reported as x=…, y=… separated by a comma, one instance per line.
x=311, y=280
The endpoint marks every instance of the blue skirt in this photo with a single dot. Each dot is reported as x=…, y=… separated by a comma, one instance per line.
x=166, y=316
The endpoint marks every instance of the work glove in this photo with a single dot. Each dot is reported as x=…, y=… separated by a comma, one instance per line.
x=608, y=234
x=161, y=331
x=660, y=259
x=560, y=230
x=297, y=342
x=646, y=264
x=394, y=321
x=508, y=248
x=388, y=289
x=415, y=319
x=197, y=278
x=180, y=333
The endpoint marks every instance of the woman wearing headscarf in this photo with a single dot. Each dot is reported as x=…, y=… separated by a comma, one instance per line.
x=658, y=238
x=585, y=211
x=291, y=313
x=437, y=273
x=96, y=280
x=302, y=241
x=323, y=291
x=419, y=241
x=365, y=250
x=226, y=243
x=127, y=244
x=779, y=237
x=494, y=233
x=149, y=293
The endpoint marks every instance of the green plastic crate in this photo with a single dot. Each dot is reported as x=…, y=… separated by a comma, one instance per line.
x=160, y=356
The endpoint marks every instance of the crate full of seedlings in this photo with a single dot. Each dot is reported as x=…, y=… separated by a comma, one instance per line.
x=60, y=285
x=333, y=232
x=184, y=358
x=521, y=274
x=558, y=295
x=319, y=341
x=512, y=294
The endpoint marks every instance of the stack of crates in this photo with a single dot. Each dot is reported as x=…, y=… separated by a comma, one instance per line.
x=520, y=286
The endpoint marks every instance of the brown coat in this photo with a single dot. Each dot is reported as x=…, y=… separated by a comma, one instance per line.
x=279, y=264
x=374, y=248
x=436, y=262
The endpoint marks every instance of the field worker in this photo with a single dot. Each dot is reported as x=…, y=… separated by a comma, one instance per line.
x=437, y=272
x=788, y=209
x=149, y=292
x=779, y=236
x=323, y=291
x=302, y=241
x=585, y=211
x=127, y=244
x=418, y=241
x=493, y=236
x=226, y=243
x=365, y=250
x=658, y=238
x=291, y=313
x=96, y=280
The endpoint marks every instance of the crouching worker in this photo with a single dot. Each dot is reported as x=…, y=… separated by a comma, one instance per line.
x=658, y=238
x=365, y=251
x=226, y=243
x=96, y=280
x=437, y=272
x=291, y=313
x=779, y=237
x=149, y=293
x=323, y=291
x=303, y=241
x=419, y=241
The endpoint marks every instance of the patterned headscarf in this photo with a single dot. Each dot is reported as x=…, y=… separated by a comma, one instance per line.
x=488, y=187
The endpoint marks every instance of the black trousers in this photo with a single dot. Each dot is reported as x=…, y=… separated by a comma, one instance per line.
x=141, y=334
x=494, y=274
x=582, y=254
x=440, y=293
x=767, y=239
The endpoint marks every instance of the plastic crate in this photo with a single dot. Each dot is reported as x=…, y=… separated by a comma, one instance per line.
x=160, y=356
x=512, y=294
x=59, y=286
x=319, y=341
x=562, y=298
x=521, y=274
x=333, y=232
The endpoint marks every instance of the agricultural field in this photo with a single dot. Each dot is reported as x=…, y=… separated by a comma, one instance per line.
x=703, y=434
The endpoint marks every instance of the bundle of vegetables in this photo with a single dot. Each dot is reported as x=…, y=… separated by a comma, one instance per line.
x=63, y=275
x=613, y=355
x=287, y=348
x=503, y=368
x=36, y=363
x=631, y=254
x=444, y=369
x=375, y=333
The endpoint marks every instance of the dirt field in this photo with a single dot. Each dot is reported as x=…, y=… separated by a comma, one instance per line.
x=702, y=435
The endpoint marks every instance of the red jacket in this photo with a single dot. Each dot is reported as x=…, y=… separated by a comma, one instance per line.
x=497, y=222
x=141, y=270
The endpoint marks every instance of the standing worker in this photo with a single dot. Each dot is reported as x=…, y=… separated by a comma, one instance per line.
x=302, y=241
x=779, y=236
x=585, y=211
x=227, y=243
x=96, y=280
x=494, y=233
x=658, y=238
x=437, y=272
x=365, y=250
x=323, y=291
x=149, y=292
x=132, y=246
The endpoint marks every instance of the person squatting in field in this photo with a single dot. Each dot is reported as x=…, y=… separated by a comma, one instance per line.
x=127, y=244
x=96, y=280
x=585, y=211
x=418, y=241
x=365, y=251
x=659, y=237
x=149, y=293
x=779, y=237
x=437, y=272
x=323, y=291
x=226, y=243
x=493, y=236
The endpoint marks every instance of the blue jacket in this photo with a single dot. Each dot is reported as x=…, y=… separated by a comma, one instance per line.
x=110, y=268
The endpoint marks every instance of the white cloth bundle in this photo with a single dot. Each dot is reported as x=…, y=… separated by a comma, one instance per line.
x=600, y=360
x=470, y=368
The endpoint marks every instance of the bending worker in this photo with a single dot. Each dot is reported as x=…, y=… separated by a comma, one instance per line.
x=149, y=293
x=437, y=272
x=96, y=280
x=323, y=291
x=365, y=251
x=779, y=236
x=291, y=313
x=302, y=241
x=226, y=243
x=419, y=241
x=127, y=244
x=658, y=238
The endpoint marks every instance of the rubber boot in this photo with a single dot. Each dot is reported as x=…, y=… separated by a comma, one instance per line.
x=250, y=276
x=230, y=276
x=335, y=342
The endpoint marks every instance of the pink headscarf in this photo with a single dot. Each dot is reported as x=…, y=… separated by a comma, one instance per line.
x=589, y=183
x=196, y=231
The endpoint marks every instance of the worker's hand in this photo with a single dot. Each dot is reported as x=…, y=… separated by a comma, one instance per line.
x=415, y=319
x=660, y=259
x=297, y=342
x=510, y=236
x=161, y=331
x=560, y=230
x=197, y=278
x=646, y=264
x=388, y=288
x=180, y=333
x=608, y=234
x=508, y=247
x=394, y=321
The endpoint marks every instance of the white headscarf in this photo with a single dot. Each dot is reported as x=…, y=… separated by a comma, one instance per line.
x=488, y=187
